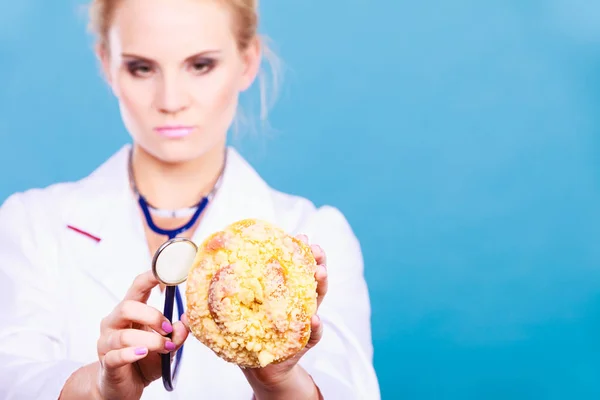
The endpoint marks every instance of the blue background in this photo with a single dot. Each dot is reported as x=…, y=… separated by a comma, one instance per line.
x=460, y=138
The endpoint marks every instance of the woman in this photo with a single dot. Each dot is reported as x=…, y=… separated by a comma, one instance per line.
x=80, y=311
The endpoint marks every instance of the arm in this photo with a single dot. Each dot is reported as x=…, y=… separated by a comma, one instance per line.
x=82, y=384
x=341, y=363
x=337, y=362
x=34, y=359
x=298, y=385
x=33, y=363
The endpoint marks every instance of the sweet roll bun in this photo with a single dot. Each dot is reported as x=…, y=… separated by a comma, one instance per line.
x=251, y=293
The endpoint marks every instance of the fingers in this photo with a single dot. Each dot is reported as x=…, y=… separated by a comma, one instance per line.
x=322, y=283
x=319, y=254
x=303, y=238
x=317, y=251
x=130, y=311
x=142, y=287
x=121, y=357
x=321, y=273
x=134, y=329
x=128, y=338
x=316, y=332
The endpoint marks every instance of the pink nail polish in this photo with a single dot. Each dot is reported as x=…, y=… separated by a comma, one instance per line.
x=170, y=346
x=167, y=327
x=140, y=351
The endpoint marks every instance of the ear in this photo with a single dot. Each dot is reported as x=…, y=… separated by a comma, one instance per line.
x=252, y=59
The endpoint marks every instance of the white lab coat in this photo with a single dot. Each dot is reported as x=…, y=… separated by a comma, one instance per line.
x=56, y=284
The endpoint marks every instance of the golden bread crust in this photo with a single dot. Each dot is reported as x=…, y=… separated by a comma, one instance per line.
x=251, y=294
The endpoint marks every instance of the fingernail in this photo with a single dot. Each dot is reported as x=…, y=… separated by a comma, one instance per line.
x=167, y=327
x=140, y=351
x=321, y=273
x=170, y=346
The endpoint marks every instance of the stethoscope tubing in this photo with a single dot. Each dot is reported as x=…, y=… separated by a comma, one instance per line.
x=172, y=292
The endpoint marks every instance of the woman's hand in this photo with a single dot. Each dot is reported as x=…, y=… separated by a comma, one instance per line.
x=131, y=341
x=287, y=379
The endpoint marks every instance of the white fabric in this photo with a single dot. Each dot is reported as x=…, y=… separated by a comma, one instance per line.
x=57, y=284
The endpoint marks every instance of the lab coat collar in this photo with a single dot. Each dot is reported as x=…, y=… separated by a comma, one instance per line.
x=110, y=212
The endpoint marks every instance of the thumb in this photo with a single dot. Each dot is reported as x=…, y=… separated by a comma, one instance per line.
x=185, y=322
x=180, y=333
x=316, y=333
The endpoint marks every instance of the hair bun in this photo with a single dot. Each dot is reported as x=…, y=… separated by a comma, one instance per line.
x=251, y=294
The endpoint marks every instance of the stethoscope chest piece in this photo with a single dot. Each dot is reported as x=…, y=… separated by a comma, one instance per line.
x=173, y=260
x=171, y=264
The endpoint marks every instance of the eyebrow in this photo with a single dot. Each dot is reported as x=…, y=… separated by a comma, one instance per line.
x=192, y=57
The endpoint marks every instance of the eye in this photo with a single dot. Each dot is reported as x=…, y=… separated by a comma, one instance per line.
x=140, y=69
x=203, y=65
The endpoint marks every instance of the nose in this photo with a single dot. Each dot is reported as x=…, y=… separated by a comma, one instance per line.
x=171, y=96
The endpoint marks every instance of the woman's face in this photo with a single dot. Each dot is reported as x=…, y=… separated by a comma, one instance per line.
x=176, y=70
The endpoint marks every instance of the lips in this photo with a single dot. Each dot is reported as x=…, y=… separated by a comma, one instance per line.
x=174, y=132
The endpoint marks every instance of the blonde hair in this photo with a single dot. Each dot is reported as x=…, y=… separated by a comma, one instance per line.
x=101, y=14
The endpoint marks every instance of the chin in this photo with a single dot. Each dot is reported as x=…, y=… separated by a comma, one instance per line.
x=180, y=151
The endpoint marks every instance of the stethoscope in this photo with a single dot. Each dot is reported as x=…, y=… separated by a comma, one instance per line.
x=171, y=264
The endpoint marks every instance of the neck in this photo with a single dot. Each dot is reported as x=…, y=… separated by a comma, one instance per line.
x=176, y=185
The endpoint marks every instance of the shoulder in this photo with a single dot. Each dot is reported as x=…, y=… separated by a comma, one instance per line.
x=293, y=213
x=326, y=226
x=57, y=201
x=299, y=213
x=35, y=204
x=53, y=203
x=31, y=227
x=29, y=232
